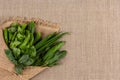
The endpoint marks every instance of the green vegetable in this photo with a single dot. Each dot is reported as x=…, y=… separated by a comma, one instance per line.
x=42, y=53
x=31, y=27
x=14, y=44
x=10, y=36
x=50, y=46
x=51, y=41
x=19, y=68
x=31, y=51
x=51, y=52
x=10, y=56
x=26, y=40
x=13, y=27
x=20, y=29
x=56, y=58
x=29, y=62
x=5, y=33
x=43, y=42
x=24, y=59
x=37, y=37
x=20, y=37
x=16, y=52
x=38, y=62
x=15, y=24
x=23, y=26
x=14, y=35
x=31, y=39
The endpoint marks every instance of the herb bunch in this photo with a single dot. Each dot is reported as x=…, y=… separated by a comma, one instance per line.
x=26, y=47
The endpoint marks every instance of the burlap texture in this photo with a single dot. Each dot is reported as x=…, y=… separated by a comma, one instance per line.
x=94, y=44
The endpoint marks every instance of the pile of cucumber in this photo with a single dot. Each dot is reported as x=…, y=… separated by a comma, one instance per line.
x=26, y=47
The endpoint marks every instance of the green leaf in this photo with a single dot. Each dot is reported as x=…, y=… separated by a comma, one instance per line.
x=19, y=68
x=14, y=36
x=31, y=51
x=10, y=36
x=15, y=24
x=26, y=40
x=29, y=62
x=13, y=27
x=14, y=44
x=31, y=39
x=16, y=52
x=10, y=56
x=24, y=59
x=31, y=27
x=20, y=29
x=24, y=25
x=20, y=37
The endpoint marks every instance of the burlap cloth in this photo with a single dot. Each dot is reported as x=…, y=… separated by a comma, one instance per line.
x=6, y=66
x=94, y=44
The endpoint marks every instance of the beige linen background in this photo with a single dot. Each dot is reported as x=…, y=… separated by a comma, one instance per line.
x=94, y=44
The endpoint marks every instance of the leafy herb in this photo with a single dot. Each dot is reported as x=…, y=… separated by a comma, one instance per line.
x=10, y=56
x=19, y=68
x=24, y=59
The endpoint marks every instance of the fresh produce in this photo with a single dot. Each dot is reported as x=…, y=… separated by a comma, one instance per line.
x=26, y=47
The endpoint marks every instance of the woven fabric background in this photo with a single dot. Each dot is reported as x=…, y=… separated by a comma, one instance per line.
x=94, y=44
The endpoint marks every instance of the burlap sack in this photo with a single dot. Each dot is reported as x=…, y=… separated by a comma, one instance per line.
x=6, y=67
